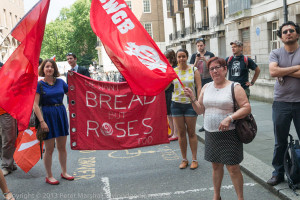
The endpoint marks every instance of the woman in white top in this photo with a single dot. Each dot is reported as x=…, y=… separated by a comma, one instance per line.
x=222, y=146
x=182, y=110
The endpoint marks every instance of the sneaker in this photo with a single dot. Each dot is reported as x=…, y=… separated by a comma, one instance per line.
x=275, y=180
x=5, y=171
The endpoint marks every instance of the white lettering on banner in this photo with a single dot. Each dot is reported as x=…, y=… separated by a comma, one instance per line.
x=147, y=56
x=147, y=126
x=116, y=115
x=105, y=101
x=145, y=140
x=116, y=101
x=91, y=100
x=120, y=16
x=107, y=129
x=92, y=129
x=100, y=86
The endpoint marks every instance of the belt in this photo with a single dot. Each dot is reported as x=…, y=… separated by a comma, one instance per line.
x=60, y=104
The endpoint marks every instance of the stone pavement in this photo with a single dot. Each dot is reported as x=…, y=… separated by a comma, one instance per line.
x=258, y=154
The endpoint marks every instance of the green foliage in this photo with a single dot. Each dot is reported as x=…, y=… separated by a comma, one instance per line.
x=71, y=32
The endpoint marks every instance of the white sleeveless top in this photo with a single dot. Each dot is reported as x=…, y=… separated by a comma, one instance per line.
x=218, y=105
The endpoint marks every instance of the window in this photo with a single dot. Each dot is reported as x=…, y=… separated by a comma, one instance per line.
x=129, y=4
x=168, y=6
x=185, y=2
x=274, y=43
x=147, y=6
x=148, y=27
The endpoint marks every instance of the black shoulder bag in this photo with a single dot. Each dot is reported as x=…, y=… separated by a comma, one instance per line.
x=246, y=128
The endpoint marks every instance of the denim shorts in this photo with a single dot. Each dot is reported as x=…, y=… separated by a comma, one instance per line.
x=181, y=109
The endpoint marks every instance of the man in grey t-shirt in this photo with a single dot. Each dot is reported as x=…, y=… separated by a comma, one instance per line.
x=284, y=64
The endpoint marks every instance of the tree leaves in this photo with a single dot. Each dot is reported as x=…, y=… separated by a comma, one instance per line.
x=71, y=32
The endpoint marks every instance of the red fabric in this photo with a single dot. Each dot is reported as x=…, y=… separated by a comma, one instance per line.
x=108, y=116
x=28, y=152
x=20, y=72
x=130, y=47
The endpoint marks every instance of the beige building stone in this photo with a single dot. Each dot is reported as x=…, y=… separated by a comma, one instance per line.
x=11, y=11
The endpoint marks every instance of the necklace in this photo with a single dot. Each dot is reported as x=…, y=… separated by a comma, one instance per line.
x=54, y=81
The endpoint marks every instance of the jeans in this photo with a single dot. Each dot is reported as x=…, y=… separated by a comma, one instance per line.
x=283, y=114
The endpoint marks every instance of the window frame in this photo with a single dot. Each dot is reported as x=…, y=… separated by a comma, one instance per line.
x=145, y=4
x=149, y=23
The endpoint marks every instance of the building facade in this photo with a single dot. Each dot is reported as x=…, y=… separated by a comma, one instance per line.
x=150, y=15
x=11, y=11
x=220, y=22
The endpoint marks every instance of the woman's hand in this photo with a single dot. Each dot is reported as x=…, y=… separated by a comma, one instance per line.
x=224, y=125
x=44, y=126
x=189, y=93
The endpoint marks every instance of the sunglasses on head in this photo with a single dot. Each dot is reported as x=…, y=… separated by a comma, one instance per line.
x=200, y=39
x=288, y=30
x=70, y=54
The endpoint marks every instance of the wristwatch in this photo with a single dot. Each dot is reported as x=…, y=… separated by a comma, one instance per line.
x=252, y=83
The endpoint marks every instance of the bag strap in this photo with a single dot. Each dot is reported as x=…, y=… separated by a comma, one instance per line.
x=233, y=98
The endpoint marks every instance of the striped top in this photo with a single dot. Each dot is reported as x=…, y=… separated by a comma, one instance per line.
x=188, y=80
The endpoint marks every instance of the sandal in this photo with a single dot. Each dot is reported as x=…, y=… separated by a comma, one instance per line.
x=8, y=196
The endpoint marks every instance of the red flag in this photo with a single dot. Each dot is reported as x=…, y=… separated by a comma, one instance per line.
x=53, y=57
x=28, y=151
x=20, y=72
x=130, y=47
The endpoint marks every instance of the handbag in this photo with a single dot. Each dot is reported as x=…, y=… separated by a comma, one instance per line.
x=246, y=127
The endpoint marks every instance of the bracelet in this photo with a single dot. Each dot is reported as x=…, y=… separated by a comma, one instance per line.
x=193, y=101
x=42, y=121
x=232, y=120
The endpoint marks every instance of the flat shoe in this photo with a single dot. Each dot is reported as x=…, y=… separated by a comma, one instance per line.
x=71, y=178
x=173, y=138
x=194, y=164
x=51, y=182
x=184, y=164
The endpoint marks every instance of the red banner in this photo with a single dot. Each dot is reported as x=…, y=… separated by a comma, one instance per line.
x=19, y=74
x=130, y=47
x=108, y=116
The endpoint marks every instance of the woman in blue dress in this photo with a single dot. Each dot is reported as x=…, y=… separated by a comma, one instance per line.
x=53, y=117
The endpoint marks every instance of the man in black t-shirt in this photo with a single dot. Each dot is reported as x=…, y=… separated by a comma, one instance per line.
x=199, y=61
x=238, y=67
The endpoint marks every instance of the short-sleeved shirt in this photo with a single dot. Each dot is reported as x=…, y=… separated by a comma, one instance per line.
x=205, y=73
x=289, y=91
x=188, y=80
x=238, y=71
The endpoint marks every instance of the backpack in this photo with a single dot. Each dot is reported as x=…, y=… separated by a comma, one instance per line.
x=292, y=164
x=245, y=60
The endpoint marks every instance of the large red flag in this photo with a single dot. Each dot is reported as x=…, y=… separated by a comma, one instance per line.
x=130, y=47
x=20, y=72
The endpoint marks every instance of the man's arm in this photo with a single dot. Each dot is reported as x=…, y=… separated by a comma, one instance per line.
x=276, y=71
x=255, y=76
x=295, y=74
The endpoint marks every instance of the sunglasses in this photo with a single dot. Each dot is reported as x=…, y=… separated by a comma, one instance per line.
x=70, y=54
x=215, y=68
x=199, y=39
x=288, y=30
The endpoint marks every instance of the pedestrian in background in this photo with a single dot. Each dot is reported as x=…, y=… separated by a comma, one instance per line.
x=72, y=60
x=238, y=67
x=171, y=56
x=222, y=146
x=284, y=64
x=52, y=117
x=199, y=60
x=8, y=135
x=181, y=107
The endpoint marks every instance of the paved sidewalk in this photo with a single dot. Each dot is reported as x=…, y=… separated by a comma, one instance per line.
x=258, y=154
